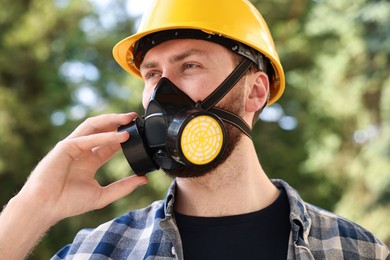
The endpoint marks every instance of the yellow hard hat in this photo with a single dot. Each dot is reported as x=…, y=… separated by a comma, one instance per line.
x=238, y=20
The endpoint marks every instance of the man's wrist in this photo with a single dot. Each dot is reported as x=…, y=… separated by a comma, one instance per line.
x=22, y=225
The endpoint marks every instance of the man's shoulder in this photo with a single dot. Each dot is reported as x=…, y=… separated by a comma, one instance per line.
x=132, y=221
x=330, y=234
x=127, y=234
x=325, y=224
x=327, y=235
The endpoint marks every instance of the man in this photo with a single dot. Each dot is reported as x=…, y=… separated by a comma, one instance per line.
x=209, y=68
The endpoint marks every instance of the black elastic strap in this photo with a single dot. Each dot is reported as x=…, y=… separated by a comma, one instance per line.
x=226, y=85
x=232, y=119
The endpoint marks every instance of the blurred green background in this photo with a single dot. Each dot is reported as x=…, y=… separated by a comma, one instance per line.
x=329, y=136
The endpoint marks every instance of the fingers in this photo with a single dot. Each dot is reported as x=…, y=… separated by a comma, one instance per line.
x=102, y=123
x=76, y=146
x=97, y=134
x=119, y=189
x=105, y=153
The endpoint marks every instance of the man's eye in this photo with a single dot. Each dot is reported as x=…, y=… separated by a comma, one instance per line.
x=151, y=75
x=190, y=66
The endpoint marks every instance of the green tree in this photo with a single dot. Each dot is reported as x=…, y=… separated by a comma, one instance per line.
x=351, y=91
x=336, y=57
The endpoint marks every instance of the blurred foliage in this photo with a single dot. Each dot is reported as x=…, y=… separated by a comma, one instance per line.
x=336, y=54
x=56, y=69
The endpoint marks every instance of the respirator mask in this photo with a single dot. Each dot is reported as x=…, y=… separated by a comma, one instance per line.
x=176, y=131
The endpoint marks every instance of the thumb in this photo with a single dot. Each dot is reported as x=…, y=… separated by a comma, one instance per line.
x=120, y=189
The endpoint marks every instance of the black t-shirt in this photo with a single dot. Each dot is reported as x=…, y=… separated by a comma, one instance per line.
x=262, y=234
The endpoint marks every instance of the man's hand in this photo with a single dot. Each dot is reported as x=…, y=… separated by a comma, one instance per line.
x=63, y=184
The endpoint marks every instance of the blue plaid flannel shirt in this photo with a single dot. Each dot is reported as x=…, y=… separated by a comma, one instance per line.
x=151, y=233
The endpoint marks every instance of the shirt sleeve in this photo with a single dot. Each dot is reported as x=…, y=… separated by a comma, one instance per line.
x=62, y=254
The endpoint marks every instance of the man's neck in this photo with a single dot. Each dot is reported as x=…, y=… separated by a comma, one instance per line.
x=238, y=186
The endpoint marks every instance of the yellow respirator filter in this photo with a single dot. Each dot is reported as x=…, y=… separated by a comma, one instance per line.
x=202, y=140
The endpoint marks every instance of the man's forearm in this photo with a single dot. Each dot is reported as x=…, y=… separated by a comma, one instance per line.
x=22, y=225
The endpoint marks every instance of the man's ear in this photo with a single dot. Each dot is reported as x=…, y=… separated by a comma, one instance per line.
x=258, y=91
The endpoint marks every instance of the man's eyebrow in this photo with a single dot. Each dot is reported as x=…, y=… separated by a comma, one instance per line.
x=148, y=65
x=174, y=58
x=188, y=53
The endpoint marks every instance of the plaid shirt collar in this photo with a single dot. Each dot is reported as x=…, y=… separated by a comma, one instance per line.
x=315, y=232
x=299, y=217
x=151, y=233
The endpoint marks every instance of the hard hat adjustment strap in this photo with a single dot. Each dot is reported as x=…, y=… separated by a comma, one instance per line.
x=251, y=54
x=147, y=42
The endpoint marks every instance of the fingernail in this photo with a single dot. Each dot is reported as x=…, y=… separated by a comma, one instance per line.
x=143, y=181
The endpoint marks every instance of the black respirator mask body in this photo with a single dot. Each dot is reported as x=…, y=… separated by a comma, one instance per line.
x=176, y=131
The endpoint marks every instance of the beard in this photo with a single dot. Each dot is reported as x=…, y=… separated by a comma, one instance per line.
x=233, y=102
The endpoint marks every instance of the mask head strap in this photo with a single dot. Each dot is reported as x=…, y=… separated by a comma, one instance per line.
x=226, y=85
x=209, y=102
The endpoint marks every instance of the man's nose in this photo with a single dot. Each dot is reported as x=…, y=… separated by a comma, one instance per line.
x=171, y=74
